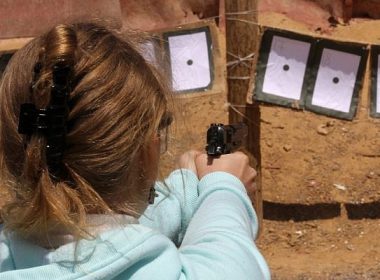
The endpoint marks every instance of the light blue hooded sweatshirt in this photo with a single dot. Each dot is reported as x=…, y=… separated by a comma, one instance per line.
x=195, y=230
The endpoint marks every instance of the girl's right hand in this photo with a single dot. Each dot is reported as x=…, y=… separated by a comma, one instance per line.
x=236, y=164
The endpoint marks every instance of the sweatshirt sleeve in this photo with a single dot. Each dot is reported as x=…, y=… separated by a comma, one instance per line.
x=174, y=206
x=219, y=242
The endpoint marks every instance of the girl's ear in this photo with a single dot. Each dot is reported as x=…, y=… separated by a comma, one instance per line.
x=149, y=157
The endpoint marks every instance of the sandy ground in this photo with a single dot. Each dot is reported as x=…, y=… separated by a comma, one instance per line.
x=323, y=249
x=339, y=167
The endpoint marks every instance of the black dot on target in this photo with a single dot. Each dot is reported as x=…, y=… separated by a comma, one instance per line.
x=190, y=62
x=336, y=80
x=286, y=67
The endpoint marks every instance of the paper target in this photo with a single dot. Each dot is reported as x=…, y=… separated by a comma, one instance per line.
x=190, y=59
x=338, y=76
x=282, y=68
x=375, y=82
x=286, y=68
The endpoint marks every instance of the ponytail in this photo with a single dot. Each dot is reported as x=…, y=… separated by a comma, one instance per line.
x=51, y=191
x=115, y=103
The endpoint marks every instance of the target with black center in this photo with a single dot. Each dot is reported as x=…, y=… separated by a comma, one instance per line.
x=282, y=68
x=338, y=70
x=191, y=63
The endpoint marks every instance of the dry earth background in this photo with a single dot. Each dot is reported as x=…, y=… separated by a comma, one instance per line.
x=311, y=159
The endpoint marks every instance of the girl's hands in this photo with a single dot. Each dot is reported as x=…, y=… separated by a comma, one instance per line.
x=236, y=164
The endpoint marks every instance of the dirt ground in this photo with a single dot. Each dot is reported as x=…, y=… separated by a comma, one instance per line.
x=322, y=249
x=310, y=160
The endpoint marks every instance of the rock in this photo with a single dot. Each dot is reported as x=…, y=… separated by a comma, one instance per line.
x=287, y=148
x=312, y=183
x=335, y=166
x=322, y=130
x=311, y=224
x=340, y=187
x=371, y=175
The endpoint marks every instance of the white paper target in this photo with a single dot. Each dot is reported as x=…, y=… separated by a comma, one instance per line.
x=335, y=83
x=286, y=67
x=190, y=61
x=377, y=109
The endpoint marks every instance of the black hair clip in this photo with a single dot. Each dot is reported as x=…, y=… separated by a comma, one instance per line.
x=32, y=120
x=51, y=121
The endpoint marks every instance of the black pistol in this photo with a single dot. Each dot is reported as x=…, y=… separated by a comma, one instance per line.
x=225, y=139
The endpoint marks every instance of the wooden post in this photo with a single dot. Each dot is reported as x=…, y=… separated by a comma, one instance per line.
x=241, y=33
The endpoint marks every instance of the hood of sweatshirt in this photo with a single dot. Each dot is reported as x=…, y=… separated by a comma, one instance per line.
x=116, y=252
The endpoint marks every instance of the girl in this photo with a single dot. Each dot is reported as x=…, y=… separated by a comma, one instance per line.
x=83, y=117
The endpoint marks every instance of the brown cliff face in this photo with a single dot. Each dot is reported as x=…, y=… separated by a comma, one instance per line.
x=158, y=14
x=331, y=12
x=20, y=18
x=366, y=8
x=30, y=18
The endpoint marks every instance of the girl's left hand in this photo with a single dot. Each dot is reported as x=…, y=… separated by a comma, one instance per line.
x=187, y=160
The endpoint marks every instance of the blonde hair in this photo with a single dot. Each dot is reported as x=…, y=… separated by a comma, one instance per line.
x=116, y=105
